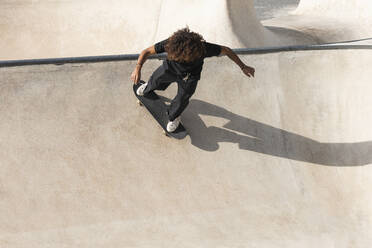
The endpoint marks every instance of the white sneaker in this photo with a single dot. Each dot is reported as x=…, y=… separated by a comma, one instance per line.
x=172, y=125
x=141, y=89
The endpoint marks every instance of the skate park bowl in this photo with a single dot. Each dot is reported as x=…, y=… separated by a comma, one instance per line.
x=279, y=160
x=47, y=28
x=330, y=21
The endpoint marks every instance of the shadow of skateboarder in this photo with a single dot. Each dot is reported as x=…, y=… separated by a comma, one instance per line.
x=258, y=137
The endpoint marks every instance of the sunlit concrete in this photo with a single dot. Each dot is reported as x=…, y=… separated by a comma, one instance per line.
x=281, y=160
x=48, y=28
x=328, y=21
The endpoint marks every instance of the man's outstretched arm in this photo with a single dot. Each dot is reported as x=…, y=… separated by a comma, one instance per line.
x=247, y=70
x=136, y=74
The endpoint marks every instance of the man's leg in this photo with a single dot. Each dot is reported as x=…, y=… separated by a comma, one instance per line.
x=160, y=80
x=180, y=102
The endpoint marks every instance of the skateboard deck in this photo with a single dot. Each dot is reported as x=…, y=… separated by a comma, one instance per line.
x=158, y=109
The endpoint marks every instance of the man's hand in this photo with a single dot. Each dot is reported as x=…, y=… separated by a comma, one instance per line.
x=249, y=71
x=136, y=75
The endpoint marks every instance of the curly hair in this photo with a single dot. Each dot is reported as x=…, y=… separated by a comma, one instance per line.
x=185, y=46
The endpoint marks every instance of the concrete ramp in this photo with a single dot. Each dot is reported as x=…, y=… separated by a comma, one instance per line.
x=343, y=9
x=329, y=21
x=48, y=28
x=232, y=22
x=64, y=28
x=281, y=160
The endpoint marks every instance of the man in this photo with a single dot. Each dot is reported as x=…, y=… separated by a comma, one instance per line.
x=186, y=51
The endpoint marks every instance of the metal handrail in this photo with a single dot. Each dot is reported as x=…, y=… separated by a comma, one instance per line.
x=130, y=57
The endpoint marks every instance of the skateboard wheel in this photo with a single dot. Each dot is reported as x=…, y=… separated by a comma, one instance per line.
x=139, y=103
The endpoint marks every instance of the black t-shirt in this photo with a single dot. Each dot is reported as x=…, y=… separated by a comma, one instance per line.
x=194, y=68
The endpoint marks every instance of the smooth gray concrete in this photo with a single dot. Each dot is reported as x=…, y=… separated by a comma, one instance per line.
x=268, y=9
x=281, y=160
x=327, y=21
x=48, y=28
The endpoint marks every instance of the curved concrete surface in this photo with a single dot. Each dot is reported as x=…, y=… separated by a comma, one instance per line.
x=48, y=28
x=342, y=9
x=224, y=21
x=328, y=21
x=281, y=160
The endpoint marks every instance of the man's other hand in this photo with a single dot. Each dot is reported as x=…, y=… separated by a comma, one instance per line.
x=249, y=71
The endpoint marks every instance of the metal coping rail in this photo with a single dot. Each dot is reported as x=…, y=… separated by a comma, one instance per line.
x=130, y=57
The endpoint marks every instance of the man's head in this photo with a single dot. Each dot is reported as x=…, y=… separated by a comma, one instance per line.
x=185, y=46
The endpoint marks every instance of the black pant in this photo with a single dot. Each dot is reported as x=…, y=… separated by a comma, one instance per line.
x=162, y=78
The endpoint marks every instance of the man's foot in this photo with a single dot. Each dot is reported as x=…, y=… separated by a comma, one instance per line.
x=172, y=125
x=141, y=89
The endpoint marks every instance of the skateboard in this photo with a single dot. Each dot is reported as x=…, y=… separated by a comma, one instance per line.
x=158, y=109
